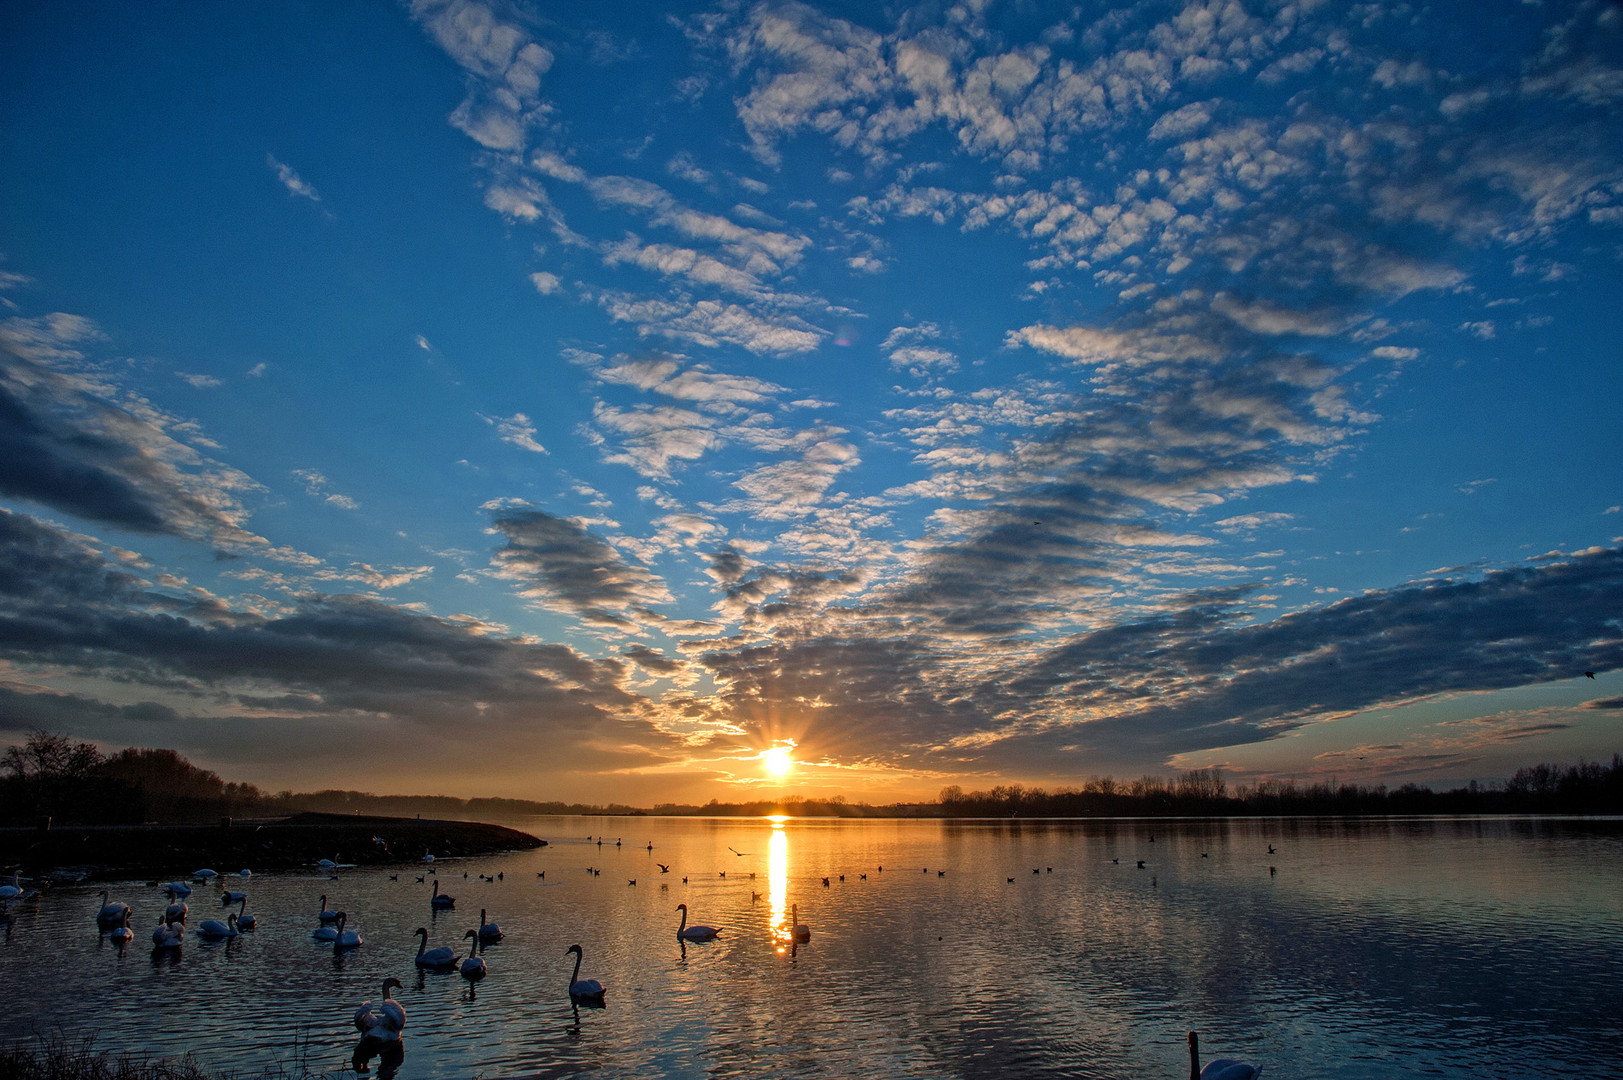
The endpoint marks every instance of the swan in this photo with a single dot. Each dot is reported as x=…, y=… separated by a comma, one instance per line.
x=438, y=958
x=178, y=889
x=123, y=935
x=694, y=933
x=8, y=893
x=112, y=912
x=245, y=874
x=798, y=930
x=473, y=968
x=169, y=935
x=176, y=912
x=227, y=897
x=327, y=864
x=325, y=932
x=579, y=988
x=346, y=939
x=439, y=899
x=428, y=856
x=488, y=931
x=327, y=914
x=246, y=921
x=1221, y=1069
x=204, y=874
x=385, y=1020
x=215, y=930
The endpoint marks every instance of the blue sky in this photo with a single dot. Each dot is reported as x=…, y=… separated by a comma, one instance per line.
x=561, y=400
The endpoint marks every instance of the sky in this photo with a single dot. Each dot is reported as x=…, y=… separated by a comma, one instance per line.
x=606, y=402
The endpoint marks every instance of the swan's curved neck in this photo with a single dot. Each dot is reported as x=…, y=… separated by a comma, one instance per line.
x=684, y=924
x=575, y=978
x=423, y=944
x=1194, y=1057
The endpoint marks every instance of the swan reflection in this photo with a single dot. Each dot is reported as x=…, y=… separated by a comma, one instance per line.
x=390, y=1055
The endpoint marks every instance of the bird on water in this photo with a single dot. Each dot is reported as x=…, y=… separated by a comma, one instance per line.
x=1219, y=1069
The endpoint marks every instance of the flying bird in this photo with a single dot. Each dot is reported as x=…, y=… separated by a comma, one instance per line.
x=664, y=868
x=735, y=851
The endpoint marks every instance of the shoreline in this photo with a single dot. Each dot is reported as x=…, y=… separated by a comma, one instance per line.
x=109, y=852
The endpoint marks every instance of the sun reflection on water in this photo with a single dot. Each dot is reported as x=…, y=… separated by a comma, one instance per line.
x=778, y=883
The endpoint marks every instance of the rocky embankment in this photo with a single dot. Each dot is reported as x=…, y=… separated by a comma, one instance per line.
x=117, y=851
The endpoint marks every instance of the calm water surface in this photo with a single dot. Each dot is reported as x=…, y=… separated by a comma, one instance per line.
x=1360, y=949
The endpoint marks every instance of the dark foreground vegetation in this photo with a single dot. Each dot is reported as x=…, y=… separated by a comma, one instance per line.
x=51, y=776
x=56, y=1059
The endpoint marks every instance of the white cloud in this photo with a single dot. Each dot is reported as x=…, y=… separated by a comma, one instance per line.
x=291, y=180
x=517, y=430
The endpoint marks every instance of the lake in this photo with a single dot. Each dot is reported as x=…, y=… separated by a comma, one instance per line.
x=1360, y=948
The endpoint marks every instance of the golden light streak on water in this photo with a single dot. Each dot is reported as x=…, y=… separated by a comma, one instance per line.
x=778, y=885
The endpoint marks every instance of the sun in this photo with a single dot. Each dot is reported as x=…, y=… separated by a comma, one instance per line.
x=778, y=760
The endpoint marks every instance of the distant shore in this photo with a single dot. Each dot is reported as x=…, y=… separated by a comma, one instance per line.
x=122, y=851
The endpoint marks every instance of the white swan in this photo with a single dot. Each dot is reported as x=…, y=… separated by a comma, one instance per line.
x=694, y=933
x=438, y=958
x=325, y=932
x=439, y=899
x=1221, y=1069
x=8, y=893
x=346, y=939
x=245, y=873
x=215, y=930
x=245, y=921
x=176, y=912
x=327, y=864
x=204, y=875
x=169, y=935
x=473, y=968
x=122, y=935
x=582, y=989
x=385, y=1020
x=798, y=930
x=178, y=889
x=488, y=931
x=227, y=897
x=112, y=912
x=428, y=856
x=327, y=914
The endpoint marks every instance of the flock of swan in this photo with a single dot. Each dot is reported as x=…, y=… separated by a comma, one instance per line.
x=381, y=1023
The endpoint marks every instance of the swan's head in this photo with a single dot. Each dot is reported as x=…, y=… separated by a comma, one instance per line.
x=681, y=907
x=471, y=933
x=392, y=983
x=1194, y=1043
x=423, y=930
x=573, y=949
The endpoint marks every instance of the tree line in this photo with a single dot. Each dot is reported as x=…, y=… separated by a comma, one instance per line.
x=52, y=776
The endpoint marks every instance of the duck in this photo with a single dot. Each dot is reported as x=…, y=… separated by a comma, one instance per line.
x=489, y=932
x=385, y=1020
x=215, y=930
x=473, y=968
x=694, y=933
x=1221, y=1068
x=439, y=899
x=438, y=958
x=582, y=989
